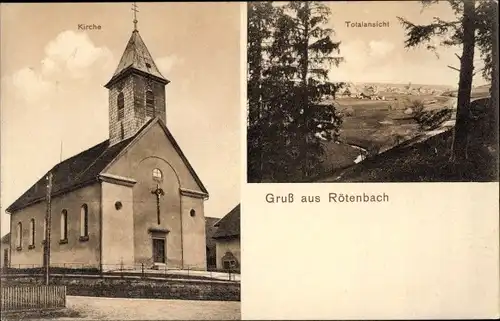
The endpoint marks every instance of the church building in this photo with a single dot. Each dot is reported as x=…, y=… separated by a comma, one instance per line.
x=132, y=199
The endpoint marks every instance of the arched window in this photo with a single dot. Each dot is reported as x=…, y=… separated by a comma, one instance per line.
x=19, y=235
x=32, y=232
x=157, y=174
x=150, y=104
x=64, y=225
x=84, y=220
x=121, y=106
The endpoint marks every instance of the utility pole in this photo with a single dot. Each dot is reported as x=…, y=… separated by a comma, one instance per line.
x=47, y=228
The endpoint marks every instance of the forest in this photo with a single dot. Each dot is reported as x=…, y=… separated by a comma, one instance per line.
x=294, y=117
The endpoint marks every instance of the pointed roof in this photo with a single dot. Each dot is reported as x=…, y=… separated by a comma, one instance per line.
x=77, y=171
x=84, y=168
x=137, y=57
x=6, y=238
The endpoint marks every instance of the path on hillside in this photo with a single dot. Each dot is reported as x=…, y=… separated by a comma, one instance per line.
x=97, y=308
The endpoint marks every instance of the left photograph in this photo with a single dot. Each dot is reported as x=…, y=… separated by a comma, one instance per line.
x=120, y=161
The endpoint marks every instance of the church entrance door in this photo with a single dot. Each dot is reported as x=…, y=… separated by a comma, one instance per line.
x=159, y=250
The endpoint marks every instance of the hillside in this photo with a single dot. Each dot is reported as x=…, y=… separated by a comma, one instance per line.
x=427, y=160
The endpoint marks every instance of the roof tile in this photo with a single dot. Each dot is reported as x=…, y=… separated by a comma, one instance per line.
x=137, y=56
x=229, y=225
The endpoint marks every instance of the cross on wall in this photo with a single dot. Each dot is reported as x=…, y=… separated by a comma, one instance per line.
x=158, y=192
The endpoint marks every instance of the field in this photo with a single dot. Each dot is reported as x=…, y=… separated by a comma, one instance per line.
x=374, y=126
x=423, y=157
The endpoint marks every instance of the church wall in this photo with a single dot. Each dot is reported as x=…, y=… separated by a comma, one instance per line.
x=117, y=227
x=73, y=253
x=146, y=211
x=154, y=143
x=129, y=121
x=194, y=233
x=134, y=88
x=139, y=93
x=227, y=245
x=154, y=150
x=141, y=85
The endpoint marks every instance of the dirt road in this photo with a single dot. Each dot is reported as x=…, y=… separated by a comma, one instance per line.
x=96, y=308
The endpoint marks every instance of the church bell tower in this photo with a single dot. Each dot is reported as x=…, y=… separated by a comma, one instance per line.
x=136, y=90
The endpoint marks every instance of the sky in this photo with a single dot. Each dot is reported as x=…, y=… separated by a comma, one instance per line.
x=378, y=54
x=51, y=95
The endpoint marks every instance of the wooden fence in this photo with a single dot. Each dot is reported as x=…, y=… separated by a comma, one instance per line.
x=32, y=297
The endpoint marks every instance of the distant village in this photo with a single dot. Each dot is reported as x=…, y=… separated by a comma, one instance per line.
x=386, y=91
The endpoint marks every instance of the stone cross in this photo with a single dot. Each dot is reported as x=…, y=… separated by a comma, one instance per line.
x=134, y=9
x=158, y=192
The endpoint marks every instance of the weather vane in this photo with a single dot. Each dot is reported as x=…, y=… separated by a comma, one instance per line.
x=134, y=9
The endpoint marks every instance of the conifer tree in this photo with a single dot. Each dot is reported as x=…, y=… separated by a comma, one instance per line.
x=475, y=26
x=291, y=111
x=260, y=23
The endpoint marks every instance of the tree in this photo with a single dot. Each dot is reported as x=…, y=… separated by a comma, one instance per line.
x=306, y=39
x=453, y=33
x=290, y=52
x=260, y=22
x=487, y=42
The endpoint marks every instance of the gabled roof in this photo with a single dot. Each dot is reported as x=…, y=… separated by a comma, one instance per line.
x=210, y=230
x=137, y=57
x=229, y=225
x=85, y=167
x=79, y=170
x=172, y=140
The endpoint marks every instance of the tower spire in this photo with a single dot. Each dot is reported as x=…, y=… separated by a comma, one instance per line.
x=134, y=9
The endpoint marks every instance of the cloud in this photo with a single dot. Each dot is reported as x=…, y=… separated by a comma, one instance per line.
x=380, y=49
x=71, y=55
x=165, y=64
x=30, y=85
x=360, y=55
x=49, y=66
x=75, y=53
x=383, y=61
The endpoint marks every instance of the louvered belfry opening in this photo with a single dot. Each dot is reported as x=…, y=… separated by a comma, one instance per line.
x=136, y=91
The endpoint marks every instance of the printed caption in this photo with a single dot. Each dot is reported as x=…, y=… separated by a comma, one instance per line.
x=272, y=198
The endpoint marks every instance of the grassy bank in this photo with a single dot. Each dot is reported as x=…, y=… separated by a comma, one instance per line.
x=428, y=160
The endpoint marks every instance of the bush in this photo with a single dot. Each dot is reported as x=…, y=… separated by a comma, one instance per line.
x=408, y=111
x=433, y=119
x=418, y=107
x=428, y=120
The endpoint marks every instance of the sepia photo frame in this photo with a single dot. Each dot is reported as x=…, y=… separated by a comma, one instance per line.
x=170, y=154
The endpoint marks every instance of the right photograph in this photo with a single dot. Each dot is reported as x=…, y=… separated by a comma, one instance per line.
x=372, y=91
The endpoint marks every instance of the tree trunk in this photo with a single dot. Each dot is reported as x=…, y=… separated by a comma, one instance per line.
x=259, y=102
x=460, y=138
x=305, y=68
x=494, y=76
x=254, y=87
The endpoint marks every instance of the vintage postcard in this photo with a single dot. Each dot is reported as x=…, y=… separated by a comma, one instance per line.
x=401, y=97
x=371, y=91
x=120, y=161
x=143, y=143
